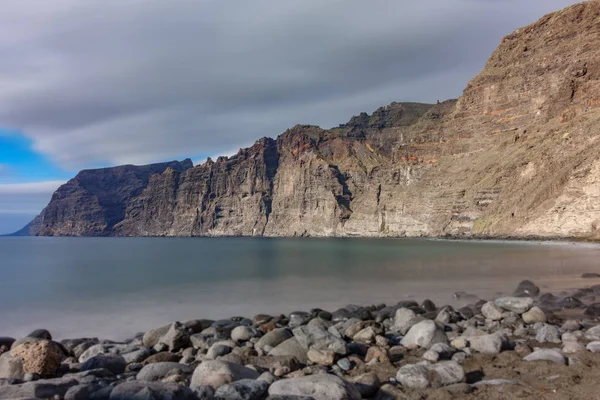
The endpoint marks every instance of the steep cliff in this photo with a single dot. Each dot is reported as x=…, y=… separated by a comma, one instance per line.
x=516, y=155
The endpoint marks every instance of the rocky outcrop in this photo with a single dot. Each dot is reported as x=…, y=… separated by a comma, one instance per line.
x=514, y=156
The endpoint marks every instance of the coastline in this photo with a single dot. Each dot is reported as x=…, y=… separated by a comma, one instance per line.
x=531, y=344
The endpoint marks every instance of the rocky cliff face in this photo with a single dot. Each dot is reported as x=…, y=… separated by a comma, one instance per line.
x=516, y=155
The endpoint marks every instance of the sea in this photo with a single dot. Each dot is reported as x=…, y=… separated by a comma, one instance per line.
x=112, y=288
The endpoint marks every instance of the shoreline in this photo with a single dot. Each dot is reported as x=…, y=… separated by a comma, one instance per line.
x=524, y=345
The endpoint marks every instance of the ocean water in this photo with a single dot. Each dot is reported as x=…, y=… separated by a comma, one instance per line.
x=114, y=287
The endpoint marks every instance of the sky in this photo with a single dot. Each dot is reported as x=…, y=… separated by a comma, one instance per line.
x=95, y=83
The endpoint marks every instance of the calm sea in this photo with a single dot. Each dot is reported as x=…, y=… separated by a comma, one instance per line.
x=114, y=287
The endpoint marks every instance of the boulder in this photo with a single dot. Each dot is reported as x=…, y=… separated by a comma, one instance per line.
x=491, y=311
x=445, y=373
x=273, y=338
x=152, y=390
x=244, y=333
x=317, y=337
x=417, y=376
x=548, y=334
x=40, y=389
x=82, y=391
x=366, y=384
x=414, y=376
x=291, y=347
x=111, y=362
x=136, y=356
x=41, y=357
x=533, y=316
x=486, y=344
x=161, y=357
x=593, y=333
x=527, y=288
x=516, y=304
x=321, y=357
x=217, y=350
x=424, y=334
x=404, y=319
x=594, y=347
x=552, y=355
x=210, y=372
x=244, y=389
x=176, y=338
x=151, y=338
x=160, y=370
x=11, y=367
x=317, y=387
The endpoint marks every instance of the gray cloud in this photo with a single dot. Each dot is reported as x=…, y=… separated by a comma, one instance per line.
x=108, y=82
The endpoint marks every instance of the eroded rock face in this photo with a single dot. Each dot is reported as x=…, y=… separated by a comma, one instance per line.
x=515, y=155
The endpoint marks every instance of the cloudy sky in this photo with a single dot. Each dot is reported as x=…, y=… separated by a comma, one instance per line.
x=96, y=83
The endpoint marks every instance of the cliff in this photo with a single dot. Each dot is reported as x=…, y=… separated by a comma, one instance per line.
x=516, y=155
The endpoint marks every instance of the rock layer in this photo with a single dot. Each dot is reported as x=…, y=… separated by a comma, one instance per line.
x=514, y=156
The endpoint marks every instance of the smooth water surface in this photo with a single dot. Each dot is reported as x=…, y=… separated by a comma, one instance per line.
x=114, y=287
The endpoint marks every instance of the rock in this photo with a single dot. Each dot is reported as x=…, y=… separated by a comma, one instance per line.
x=552, y=355
x=431, y=356
x=593, y=310
x=516, y=304
x=527, y=288
x=206, y=373
x=570, y=302
x=572, y=347
x=321, y=357
x=534, y=315
x=177, y=337
x=378, y=354
x=486, y=344
x=40, y=389
x=273, y=338
x=243, y=333
x=344, y=364
x=413, y=376
x=367, y=335
x=459, y=389
x=459, y=343
x=161, y=357
x=548, y=334
x=160, y=370
x=299, y=318
x=6, y=342
x=291, y=347
x=389, y=392
x=571, y=325
x=316, y=337
x=42, y=357
x=317, y=387
x=428, y=305
x=152, y=337
x=151, y=391
x=594, y=347
x=590, y=275
x=111, y=362
x=491, y=311
x=366, y=384
x=443, y=350
x=217, y=350
x=11, y=367
x=92, y=352
x=593, y=333
x=404, y=319
x=245, y=389
x=82, y=391
x=40, y=334
x=136, y=356
x=424, y=334
x=445, y=373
